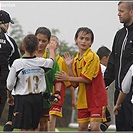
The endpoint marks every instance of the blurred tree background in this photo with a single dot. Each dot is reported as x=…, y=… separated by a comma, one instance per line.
x=16, y=32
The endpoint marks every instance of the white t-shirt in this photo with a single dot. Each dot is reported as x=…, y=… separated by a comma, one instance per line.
x=127, y=81
x=27, y=75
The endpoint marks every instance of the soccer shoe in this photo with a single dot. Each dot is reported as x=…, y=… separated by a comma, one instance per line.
x=103, y=127
x=7, y=127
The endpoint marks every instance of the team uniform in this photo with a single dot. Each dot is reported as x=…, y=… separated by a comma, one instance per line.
x=50, y=81
x=92, y=97
x=8, y=53
x=27, y=79
x=56, y=108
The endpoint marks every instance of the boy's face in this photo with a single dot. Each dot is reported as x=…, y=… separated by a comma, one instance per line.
x=43, y=41
x=84, y=41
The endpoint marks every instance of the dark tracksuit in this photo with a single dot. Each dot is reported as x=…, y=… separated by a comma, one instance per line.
x=8, y=53
x=119, y=62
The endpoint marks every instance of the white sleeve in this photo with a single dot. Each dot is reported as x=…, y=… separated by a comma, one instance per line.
x=11, y=79
x=48, y=62
x=126, y=83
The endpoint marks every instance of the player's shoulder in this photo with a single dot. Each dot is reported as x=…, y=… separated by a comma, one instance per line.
x=12, y=40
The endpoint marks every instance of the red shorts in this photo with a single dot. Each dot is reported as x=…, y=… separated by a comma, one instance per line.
x=45, y=115
x=56, y=110
x=92, y=115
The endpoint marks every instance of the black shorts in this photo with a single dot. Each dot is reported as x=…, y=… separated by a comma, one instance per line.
x=27, y=111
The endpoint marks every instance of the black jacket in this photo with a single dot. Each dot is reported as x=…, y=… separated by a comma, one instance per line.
x=8, y=51
x=121, y=56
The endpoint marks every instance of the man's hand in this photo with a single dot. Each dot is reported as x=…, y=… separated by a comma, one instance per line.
x=116, y=108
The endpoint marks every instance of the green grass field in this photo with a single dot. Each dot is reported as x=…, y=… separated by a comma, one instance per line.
x=57, y=129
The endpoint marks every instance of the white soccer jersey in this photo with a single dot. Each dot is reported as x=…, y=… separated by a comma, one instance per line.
x=127, y=81
x=27, y=75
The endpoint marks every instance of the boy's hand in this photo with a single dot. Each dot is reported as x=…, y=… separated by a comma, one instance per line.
x=10, y=101
x=68, y=59
x=51, y=46
x=63, y=76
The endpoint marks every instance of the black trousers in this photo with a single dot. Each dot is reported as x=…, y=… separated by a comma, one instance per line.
x=124, y=119
x=3, y=89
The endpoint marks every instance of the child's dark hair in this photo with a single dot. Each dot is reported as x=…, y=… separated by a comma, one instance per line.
x=44, y=31
x=30, y=43
x=103, y=51
x=85, y=30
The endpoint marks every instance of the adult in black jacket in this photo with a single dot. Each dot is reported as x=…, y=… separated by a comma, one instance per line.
x=119, y=62
x=8, y=53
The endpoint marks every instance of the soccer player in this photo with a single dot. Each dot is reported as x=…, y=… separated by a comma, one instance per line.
x=27, y=78
x=56, y=108
x=85, y=73
x=43, y=35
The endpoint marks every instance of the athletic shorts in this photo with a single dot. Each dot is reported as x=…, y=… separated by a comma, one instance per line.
x=27, y=111
x=45, y=115
x=56, y=110
x=92, y=115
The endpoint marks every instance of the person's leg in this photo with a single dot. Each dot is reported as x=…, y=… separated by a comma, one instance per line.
x=127, y=113
x=95, y=126
x=43, y=124
x=83, y=119
x=52, y=122
x=98, y=116
x=3, y=89
x=124, y=118
x=55, y=111
x=104, y=125
x=83, y=126
x=3, y=97
x=8, y=125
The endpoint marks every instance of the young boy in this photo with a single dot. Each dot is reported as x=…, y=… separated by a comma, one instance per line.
x=103, y=52
x=43, y=35
x=56, y=108
x=27, y=78
x=85, y=72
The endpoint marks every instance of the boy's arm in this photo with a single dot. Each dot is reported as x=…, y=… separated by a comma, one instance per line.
x=63, y=76
x=73, y=97
x=10, y=99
